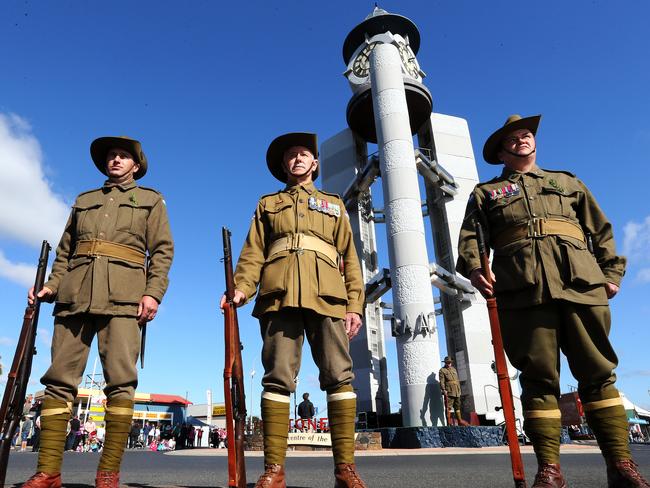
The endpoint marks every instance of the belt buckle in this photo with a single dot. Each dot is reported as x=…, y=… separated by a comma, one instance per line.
x=536, y=227
x=296, y=244
x=93, y=249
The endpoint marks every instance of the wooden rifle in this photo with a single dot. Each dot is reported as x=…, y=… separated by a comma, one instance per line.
x=13, y=399
x=233, y=378
x=505, y=389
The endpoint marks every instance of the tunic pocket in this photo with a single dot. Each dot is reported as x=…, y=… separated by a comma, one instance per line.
x=86, y=218
x=514, y=266
x=331, y=286
x=560, y=202
x=581, y=265
x=72, y=281
x=280, y=216
x=274, y=276
x=126, y=281
x=132, y=218
x=511, y=210
x=322, y=225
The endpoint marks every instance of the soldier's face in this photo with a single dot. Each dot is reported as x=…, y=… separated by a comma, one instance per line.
x=299, y=162
x=520, y=142
x=120, y=163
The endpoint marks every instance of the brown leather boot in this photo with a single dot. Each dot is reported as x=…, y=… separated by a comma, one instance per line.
x=625, y=474
x=43, y=480
x=549, y=476
x=347, y=477
x=107, y=479
x=272, y=477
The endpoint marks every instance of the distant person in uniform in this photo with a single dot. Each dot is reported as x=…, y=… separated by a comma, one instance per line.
x=300, y=252
x=103, y=287
x=555, y=267
x=450, y=385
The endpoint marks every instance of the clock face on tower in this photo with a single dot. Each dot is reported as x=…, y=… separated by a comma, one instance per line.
x=361, y=63
x=408, y=60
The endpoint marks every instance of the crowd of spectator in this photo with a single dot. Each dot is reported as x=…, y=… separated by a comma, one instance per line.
x=87, y=436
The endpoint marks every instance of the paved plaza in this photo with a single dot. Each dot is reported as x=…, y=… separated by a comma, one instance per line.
x=441, y=468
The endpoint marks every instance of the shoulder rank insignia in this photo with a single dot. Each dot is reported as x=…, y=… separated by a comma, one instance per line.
x=324, y=206
x=508, y=191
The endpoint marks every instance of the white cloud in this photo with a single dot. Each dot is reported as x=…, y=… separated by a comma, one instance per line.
x=636, y=246
x=31, y=211
x=20, y=273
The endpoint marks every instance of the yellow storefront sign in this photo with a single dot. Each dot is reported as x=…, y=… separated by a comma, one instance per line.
x=219, y=410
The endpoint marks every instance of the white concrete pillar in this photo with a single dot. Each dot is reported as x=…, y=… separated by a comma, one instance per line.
x=417, y=346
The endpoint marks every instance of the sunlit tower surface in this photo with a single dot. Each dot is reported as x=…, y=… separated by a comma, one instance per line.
x=388, y=107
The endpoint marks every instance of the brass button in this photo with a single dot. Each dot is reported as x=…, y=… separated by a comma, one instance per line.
x=105, y=215
x=531, y=198
x=101, y=234
x=110, y=199
x=300, y=200
x=534, y=215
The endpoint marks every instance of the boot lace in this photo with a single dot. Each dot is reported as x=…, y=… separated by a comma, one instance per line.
x=630, y=470
x=352, y=476
x=106, y=479
x=267, y=477
x=545, y=474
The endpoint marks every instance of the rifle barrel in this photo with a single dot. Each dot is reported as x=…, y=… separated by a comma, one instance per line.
x=11, y=409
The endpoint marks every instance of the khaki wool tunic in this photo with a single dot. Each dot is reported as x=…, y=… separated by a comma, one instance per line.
x=125, y=214
x=534, y=270
x=449, y=381
x=306, y=278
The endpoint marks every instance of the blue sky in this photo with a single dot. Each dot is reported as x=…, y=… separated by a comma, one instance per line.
x=206, y=86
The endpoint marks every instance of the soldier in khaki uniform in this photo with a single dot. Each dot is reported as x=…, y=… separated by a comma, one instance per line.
x=300, y=252
x=103, y=286
x=450, y=384
x=555, y=267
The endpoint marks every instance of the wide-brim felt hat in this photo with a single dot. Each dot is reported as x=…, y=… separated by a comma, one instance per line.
x=514, y=122
x=447, y=359
x=100, y=147
x=275, y=152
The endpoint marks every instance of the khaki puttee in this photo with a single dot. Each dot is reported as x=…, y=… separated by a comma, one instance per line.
x=543, y=414
x=598, y=404
x=47, y=412
x=537, y=228
x=98, y=247
x=303, y=242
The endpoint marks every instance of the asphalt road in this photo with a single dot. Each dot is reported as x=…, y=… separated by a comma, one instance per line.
x=150, y=469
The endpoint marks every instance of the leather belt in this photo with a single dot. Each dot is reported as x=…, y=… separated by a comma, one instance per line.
x=301, y=242
x=97, y=247
x=538, y=228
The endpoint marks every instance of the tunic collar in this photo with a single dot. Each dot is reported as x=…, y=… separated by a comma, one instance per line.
x=308, y=187
x=129, y=185
x=513, y=175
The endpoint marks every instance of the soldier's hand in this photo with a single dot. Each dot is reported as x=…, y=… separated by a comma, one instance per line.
x=481, y=284
x=352, y=324
x=611, y=289
x=45, y=295
x=238, y=299
x=147, y=309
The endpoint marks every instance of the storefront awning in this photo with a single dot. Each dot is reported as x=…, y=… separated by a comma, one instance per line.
x=638, y=421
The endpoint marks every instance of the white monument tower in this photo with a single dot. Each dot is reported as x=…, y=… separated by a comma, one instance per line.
x=388, y=107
